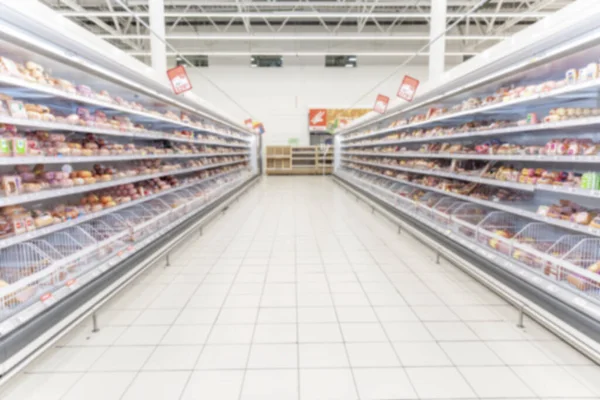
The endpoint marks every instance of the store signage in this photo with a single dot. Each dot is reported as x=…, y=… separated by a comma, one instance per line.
x=381, y=104
x=317, y=118
x=179, y=79
x=330, y=119
x=248, y=123
x=258, y=127
x=408, y=88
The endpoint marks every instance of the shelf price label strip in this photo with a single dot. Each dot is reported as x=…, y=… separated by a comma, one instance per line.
x=595, y=194
x=465, y=156
x=569, y=89
x=57, y=227
x=8, y=80
x=498, y=206
x=146, y=135
x=48, y=194
x=561, y=125
x=88, y=159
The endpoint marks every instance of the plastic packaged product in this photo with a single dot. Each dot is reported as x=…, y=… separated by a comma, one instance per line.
x=17, y=109
x=591, y=181
x=581, y=282
x=11, y=185
x=572, y=75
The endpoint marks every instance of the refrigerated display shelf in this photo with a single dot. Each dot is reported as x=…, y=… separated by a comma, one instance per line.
x=71, y=282
x=49, y=276
x=53, y=126
x=89, y=159
x=434, y=172
x=562, y=126
x=583, y=89
x=49, y=194
x=489, y=157
x=49, y=91
x=16, y=239
x=445, y=225
x=574, y=191
x=496, y=205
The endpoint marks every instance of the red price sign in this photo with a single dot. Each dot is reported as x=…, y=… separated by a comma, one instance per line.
x=381, y=104
x=179, y=79
x=72, y=284
x=47, y=299
x=408, y=88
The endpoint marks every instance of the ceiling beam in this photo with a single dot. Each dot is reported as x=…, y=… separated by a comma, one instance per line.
x=301, y=54
x=347, y=3
x=303, y=15
x=101, y=24
x=352, y=37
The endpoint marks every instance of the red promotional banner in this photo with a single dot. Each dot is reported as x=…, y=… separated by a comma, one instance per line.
x=408, y=88
x=248, y=122
x=381, y=103
x=317, y=117
x=179, y=79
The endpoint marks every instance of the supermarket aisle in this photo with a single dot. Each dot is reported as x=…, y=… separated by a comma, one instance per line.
x=298, y=292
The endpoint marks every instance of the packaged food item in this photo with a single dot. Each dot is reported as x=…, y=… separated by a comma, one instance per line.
x=590, y=180
x=11, y=185
x=572, y=75
x=9, y=67
x=589, y=73
x=5, y=147
x=581, y=282
x=17, y=109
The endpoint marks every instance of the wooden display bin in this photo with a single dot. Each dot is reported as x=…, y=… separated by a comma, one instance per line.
x=302, y=160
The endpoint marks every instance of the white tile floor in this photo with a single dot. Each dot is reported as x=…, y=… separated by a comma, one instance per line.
x=299, y=292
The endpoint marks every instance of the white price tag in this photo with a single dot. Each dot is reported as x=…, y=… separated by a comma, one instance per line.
x=47, y=299
x=580, y=302
x=72, y=284
x=7, y=326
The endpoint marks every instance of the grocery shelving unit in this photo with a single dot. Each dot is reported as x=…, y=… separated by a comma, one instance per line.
x=279, y=159
x=305, y=160
x=502, y=166
x=102, y=171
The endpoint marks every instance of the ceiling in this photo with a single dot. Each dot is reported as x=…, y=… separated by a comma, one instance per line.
x=379, y=30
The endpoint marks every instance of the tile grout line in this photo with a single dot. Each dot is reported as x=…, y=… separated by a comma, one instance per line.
x=467, y=326
x=214, y=323
x=389, y=341
x=264, y=284
x=299, y=388
x=424, y=325
x=338, y=318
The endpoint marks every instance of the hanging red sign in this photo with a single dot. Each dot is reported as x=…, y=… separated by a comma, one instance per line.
x=381, y=104
x=408, y=88
x=248, y=123
x=179, y=79
x=317, y=117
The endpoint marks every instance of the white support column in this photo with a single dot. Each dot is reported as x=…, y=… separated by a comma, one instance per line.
x=157, y=37
x=437, y=50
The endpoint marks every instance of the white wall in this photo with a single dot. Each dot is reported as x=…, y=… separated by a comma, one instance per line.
x=281, y=97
